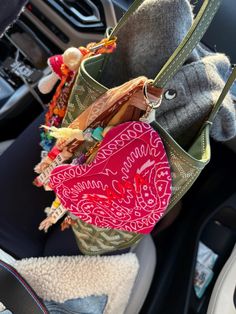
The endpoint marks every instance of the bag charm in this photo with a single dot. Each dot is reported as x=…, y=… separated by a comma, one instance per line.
x=72, y=59
x=152, y=101
x=64, y=68
x=129, y=95
x=126, y=187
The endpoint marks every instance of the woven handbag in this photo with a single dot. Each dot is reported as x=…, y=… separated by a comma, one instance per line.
x=186, y=165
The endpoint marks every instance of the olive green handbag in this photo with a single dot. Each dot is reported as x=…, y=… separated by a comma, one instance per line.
x=185, y=165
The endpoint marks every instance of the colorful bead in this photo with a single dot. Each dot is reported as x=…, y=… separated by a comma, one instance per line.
x=97, y=134
x=56, y=203
x=88, y=134
x=53, y=153
x=43, y=154
x=81, y=159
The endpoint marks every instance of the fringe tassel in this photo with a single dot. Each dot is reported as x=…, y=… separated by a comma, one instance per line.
x=64, y=133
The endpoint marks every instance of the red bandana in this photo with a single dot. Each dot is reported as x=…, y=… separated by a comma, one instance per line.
x=126, y=187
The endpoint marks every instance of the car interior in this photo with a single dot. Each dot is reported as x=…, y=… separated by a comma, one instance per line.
x=207, y=213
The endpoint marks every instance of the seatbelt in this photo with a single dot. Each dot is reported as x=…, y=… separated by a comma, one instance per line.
x=15, y=293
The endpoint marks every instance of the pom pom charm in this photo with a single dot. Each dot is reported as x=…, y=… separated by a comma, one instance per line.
x=71, y=58
x=64, y=133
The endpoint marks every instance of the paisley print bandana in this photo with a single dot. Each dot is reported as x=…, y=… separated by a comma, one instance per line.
x=126, y=187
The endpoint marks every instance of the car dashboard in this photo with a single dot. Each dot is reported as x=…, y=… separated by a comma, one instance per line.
x=45, y=28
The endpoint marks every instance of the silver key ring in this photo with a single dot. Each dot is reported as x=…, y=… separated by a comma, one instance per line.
x=151, y=103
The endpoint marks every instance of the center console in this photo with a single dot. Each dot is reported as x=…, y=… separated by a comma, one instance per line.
x=23, y=61
x=46, y=27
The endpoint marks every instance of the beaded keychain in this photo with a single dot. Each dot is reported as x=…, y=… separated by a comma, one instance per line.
x=65, y=67
x=57, y=211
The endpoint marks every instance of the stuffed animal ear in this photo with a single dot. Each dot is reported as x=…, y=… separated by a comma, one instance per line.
x=224, y=126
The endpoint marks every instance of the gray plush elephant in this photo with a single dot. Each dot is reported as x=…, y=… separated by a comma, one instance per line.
x=146, y=42
x=190, y=97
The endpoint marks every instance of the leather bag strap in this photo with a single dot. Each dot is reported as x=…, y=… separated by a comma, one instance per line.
x=134, y=6
x=222, y=96
x=193, y=37
x=16, y=294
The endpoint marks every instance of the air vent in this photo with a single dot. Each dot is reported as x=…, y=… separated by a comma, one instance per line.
x=47, y=22
x=84, y=15
x=79, y=6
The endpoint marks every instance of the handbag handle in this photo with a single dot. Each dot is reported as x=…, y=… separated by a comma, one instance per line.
x=193, y=37
x=134, y=6
x=222, y=96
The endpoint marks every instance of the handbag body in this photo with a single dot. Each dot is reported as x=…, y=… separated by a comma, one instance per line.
x=186, y=164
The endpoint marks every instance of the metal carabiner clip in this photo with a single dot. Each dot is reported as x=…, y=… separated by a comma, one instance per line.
x=153, y=104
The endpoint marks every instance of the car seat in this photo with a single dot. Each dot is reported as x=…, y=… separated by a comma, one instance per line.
x=223, y=298
x=146, y=254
